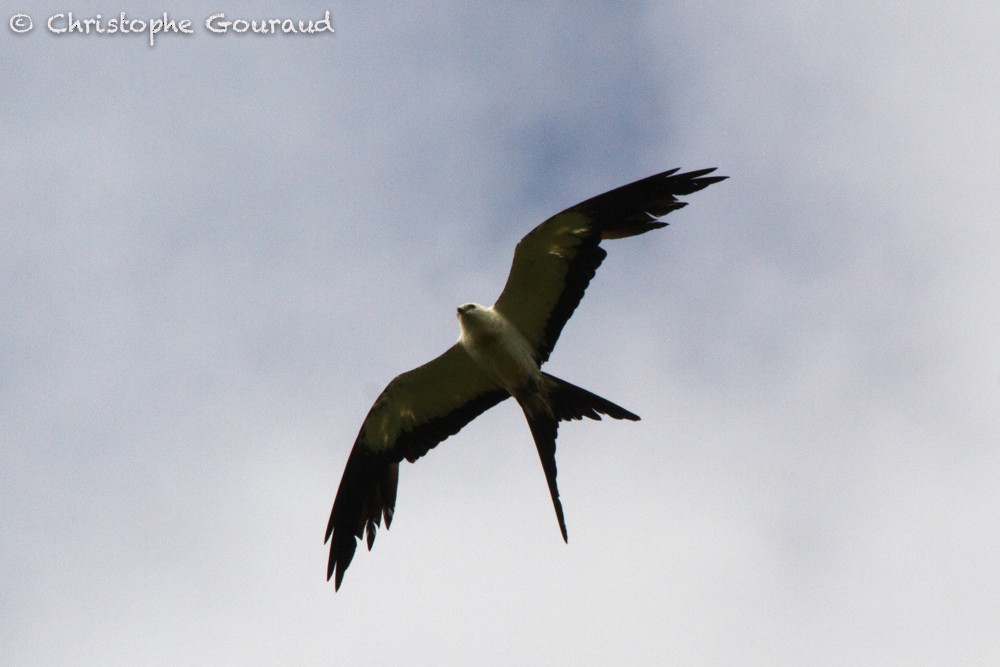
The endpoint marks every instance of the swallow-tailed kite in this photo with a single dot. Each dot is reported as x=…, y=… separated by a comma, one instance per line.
x=498, y=355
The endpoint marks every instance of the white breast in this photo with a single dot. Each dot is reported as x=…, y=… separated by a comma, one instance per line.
x=498, y=348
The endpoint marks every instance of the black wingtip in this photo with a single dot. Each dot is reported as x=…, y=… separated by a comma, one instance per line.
x=692, y=181
x=340, y=558
x=367, y=493
x=625, y=211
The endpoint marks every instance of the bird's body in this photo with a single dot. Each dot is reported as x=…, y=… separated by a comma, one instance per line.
x=499, y=354
x=498, y=349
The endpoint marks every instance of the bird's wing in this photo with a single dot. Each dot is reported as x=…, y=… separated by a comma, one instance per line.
x=554, y=263
x=415, y=412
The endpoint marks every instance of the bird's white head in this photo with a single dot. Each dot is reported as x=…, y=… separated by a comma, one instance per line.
x=467, y=315
x=468, y=310
x=474, y=318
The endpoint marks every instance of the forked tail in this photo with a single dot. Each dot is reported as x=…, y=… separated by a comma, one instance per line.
x=562, y=401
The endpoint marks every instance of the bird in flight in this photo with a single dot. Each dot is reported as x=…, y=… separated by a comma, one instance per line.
x=499, y=354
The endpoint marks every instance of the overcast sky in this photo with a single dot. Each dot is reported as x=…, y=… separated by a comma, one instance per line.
x=216, y=251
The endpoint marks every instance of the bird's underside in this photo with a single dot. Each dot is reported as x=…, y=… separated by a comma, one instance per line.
x=499, y=355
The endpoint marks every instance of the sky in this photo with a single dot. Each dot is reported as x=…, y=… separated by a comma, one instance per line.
x=216, y=251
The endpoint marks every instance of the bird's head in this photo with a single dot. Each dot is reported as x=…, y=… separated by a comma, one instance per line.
x=468, y=310
x=477, y=321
